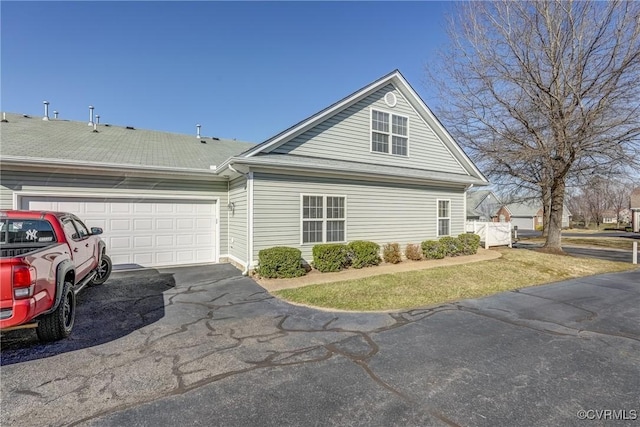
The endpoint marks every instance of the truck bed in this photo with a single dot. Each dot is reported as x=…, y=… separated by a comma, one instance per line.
x=8, y=251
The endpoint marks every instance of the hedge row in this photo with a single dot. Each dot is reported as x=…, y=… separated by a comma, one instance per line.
x=285, y=262
x=337, y=256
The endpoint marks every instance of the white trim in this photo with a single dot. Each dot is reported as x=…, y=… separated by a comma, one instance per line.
x=403, y=87
x=250, y=261
x=18, y=195
x=390, y=134
x=324, y=218
x=436, y=123
x=390, y=99
x=321, y=116
x=438, y=218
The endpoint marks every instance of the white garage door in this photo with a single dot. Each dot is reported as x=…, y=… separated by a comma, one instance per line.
x=145, y=233
x=522, y=223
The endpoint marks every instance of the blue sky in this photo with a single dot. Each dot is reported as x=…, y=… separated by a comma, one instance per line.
x=244, y=70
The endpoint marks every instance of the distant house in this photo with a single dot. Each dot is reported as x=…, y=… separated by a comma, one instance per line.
x=611, y=217
x=635, y=210
x=376, y=165
x=529, y=215
x=484, y=205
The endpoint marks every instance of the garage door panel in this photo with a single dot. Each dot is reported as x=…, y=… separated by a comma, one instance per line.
x=164, y=224
x=70, y=207
x=145, y=208
x=143, y=242
x=117, y=225
x=142, y=224
x=165, y=241
x=144, y=232
x=185, y=240
x=185, y=224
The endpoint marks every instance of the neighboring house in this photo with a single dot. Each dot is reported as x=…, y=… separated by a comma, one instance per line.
x=484, y=205
x=528, y=214
x=610, y=216
x=377, y=165
x=635, y=210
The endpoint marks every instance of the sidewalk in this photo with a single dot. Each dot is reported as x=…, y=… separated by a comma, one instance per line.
x=315, y=277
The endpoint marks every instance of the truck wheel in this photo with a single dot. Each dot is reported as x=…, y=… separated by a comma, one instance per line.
x=103, y=271
x=58, y=325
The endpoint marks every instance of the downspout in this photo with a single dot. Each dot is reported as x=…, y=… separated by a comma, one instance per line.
x=245, y=272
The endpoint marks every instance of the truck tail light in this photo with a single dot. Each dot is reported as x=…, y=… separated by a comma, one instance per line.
x=24, y=281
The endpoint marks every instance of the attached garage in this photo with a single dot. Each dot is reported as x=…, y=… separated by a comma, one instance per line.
x=143, y=232
x=523, y=223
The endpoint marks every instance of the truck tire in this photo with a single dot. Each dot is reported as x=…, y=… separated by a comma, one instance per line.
x=103, y=271
x=58, y=325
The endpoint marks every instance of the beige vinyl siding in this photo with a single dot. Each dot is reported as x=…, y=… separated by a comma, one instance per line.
x=376, y=211
x=92, y=185
x=347, y=136
x=238, y=219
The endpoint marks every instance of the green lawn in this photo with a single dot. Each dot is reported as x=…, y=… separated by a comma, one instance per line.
x=602, y=242
x=516, y=269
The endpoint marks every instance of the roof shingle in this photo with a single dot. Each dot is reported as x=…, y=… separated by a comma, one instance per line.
x=71, y=140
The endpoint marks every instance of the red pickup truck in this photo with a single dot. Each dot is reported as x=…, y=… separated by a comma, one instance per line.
x=46, y=258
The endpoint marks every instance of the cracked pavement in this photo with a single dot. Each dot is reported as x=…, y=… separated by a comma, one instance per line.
x=206, y=346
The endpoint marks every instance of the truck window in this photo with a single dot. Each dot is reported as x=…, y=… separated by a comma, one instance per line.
x=69, y=228
x=82, y=229
x=26, y=231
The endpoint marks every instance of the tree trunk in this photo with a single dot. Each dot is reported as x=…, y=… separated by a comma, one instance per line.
x=554, y=236
x=546, y=212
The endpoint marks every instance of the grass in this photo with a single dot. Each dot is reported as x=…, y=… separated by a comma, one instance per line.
x=516, y=269
x=602, y=242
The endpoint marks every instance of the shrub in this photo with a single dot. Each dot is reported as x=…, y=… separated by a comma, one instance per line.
x=364, y=253
x=413, y=252
x=451, y=246
x=469, y=243
x=432, y=249
x=330, y=257
x=391, y=253
x=280, y=262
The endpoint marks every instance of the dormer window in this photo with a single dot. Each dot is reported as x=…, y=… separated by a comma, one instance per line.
x=389, y=133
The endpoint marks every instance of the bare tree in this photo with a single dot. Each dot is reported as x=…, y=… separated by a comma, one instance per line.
x=619, y=198
x=543, y=94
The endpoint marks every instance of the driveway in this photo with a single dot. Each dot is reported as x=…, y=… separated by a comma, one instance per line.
x=206, y=346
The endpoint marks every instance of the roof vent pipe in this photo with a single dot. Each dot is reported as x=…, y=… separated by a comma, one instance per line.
x=198, y=131
x=95, y=128
x=55, y=114
x=90, y=115
x=46, y=110
x=98, y=119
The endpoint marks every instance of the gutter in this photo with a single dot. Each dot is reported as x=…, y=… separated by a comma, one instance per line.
x=366, y=174
x=111, y=167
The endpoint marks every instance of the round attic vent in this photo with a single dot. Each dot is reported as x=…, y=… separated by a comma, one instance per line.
x=390, y=99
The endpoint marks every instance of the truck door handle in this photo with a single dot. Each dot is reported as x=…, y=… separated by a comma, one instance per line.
x=75, y=249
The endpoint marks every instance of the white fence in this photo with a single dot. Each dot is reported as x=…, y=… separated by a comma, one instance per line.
x=491, y=233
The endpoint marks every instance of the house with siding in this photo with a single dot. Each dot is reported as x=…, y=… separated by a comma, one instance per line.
x=634, y=206
x=376, y=165
x=529, y=215
x=485, y=205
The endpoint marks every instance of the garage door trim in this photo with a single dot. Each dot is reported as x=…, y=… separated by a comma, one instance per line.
x=18, y=195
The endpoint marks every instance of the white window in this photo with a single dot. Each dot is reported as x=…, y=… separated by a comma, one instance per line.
x=444, y=217
x=389, y=133
x=323, y=219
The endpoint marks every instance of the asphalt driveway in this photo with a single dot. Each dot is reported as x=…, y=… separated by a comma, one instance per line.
x=207, y=346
